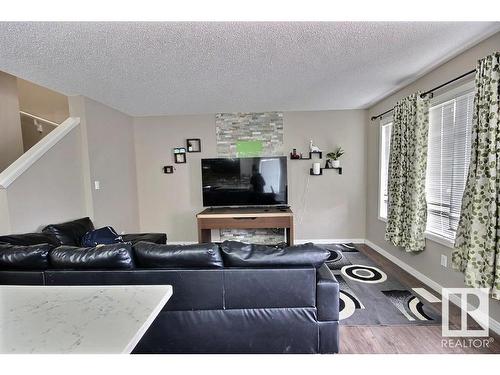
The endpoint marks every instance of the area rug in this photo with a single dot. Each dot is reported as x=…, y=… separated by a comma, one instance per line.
x=368, y=296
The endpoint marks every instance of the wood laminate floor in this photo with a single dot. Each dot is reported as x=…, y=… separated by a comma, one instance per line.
x=408, y=338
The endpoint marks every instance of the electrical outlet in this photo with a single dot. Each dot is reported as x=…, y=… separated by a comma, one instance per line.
x=444, y=260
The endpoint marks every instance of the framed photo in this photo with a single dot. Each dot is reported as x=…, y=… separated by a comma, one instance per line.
x=168, y=169
x=193, y=145
x=180, y=158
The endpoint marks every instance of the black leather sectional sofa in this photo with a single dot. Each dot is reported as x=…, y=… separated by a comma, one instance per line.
x=228, y=298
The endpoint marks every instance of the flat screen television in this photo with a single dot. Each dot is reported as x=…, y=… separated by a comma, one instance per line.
x=244, y=181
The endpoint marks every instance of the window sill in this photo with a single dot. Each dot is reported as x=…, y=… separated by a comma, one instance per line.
x=440, y=240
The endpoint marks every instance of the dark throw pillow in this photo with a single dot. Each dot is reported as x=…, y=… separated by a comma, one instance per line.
x=33, y=257
x=151, y=255
x=71, y=232
x=238, y=254
x=116, y=256
x=28, y=239
x=101, y=236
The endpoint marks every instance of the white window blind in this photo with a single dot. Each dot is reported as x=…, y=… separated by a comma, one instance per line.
x=448, y=159
x=385, y=142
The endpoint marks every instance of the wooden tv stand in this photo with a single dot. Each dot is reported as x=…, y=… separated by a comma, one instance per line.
x=244, y=218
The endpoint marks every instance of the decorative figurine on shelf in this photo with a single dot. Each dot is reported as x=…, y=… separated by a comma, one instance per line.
x=333, y=158
x=294, y=155
x=312, y=147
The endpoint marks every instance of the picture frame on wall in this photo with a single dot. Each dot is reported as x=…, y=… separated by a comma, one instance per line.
x=193, y=145
x=168, y=169
x=179, y=155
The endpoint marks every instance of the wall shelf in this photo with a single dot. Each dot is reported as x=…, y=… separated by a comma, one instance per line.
x=319, y=153
x=320, y=172
x=339, y=169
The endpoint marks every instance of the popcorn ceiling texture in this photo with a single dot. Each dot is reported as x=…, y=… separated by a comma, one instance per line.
x=172, y=68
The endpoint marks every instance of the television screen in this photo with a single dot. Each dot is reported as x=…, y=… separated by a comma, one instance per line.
x=244, y=181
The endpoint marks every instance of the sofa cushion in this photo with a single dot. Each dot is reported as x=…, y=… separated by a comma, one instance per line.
x=151, y=255
x=33, y=257
x=101, y=236
x=70, y=233
x=159, y=238
x=115, y=256
x=238, y=254
x=28, y=239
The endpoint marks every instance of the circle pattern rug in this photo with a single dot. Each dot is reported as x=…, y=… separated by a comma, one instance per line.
x=368, y=296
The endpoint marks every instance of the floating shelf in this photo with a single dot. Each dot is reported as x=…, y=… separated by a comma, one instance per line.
x=319, y=153
x=339, y=169
x=320, y=172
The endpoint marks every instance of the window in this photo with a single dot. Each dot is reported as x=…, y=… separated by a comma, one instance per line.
x=450, y=127
x=385, y=141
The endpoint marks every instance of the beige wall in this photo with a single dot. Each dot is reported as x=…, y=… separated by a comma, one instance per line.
x=169, y=202
x=31, y=135
x=42, y=102
x=331, y=206
x=50, y=191
x=427, y=262
x=109, y=157
x=11, y=142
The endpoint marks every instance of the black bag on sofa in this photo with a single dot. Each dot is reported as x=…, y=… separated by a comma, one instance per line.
x=101, y=236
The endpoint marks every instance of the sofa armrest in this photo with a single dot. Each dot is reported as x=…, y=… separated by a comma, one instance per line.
x=159, y=238
x=327, y=295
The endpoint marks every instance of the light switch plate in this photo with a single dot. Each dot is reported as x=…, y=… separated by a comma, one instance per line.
x=97, y=185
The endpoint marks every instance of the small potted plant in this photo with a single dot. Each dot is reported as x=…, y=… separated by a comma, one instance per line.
x=334, y=157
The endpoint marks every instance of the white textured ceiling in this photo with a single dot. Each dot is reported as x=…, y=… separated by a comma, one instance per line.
x=187, y=68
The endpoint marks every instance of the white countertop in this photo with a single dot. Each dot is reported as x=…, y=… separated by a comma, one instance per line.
x=77, y=319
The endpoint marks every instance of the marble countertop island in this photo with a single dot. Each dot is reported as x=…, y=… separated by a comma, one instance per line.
x=77, y=319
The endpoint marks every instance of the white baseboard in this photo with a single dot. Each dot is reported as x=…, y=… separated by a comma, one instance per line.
x=494, y=325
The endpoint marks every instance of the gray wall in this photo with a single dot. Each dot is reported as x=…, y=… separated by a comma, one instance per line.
x=31, y=135
x=11, y=141
x=42, y=102
x=327, y=207
x=50, y=191
x=427, y=262
x=109, y=157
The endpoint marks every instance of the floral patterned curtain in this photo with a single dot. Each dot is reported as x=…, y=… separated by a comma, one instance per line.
x=407, y=207
x=478, y=235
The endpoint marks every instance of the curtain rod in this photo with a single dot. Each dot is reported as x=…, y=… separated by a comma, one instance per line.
x=430, y=91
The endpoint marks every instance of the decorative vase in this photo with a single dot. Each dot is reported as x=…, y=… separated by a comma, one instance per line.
x=335, y=163
x=316, y=168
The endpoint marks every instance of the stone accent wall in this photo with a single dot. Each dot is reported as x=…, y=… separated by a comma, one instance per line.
x=258, y=236
x=266, y=127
